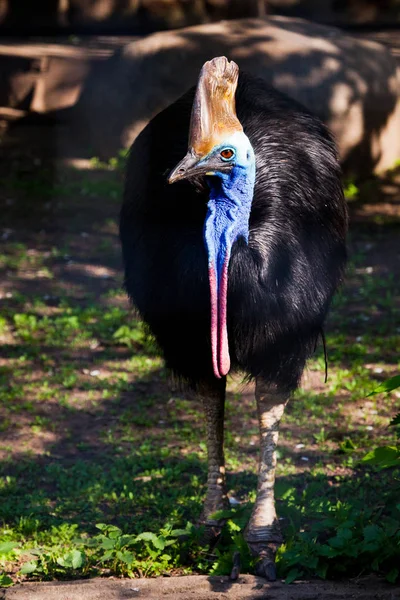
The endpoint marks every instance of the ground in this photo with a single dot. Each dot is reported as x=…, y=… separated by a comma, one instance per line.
x=200, y=587
x=103, y=461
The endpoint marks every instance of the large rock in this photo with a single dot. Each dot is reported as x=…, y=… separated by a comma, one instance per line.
x=351, y=84
x=18, y=75
x=43, y=76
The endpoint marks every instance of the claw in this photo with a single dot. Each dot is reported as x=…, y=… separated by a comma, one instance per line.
x=265, y=553
x=266, y=568
x=236, y=567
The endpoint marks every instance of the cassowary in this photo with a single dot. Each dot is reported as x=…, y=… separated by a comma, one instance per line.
x=234, y=265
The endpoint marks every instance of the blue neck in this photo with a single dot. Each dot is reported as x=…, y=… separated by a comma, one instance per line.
x=229, y=207
x=227, y=219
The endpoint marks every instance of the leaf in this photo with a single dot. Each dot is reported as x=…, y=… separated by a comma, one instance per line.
x=106, y=556
x=28, y=567
x=348, y=524
x=284, y=490
x=159, y=542
x=148, y=536
x=387, y=386
x=6, y=547
x=327, y=551
x=90, y=543
x=180, y=532
x=292, y=575
x=321, y=571
x=76, y=559
x=233, y=527
x=392, y=575
x=384, y=457
x=126, y=557
x=165, y=557
x=71, y=560
x=223, y=514
x=347, y=445
x=127, y=540
x=109, y=529
x=107, y=543
x=310, y=562
x=351, y=191
x=345, y=534
x=113, y=532
x=371, y=533
x=337, y=542
x=5, y=580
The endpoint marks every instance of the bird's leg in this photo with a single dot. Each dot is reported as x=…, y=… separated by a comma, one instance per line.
x=216, y=497
x=262, y=533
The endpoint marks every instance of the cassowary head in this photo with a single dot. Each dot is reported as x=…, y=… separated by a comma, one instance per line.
x=220, y=152
x=216, y=139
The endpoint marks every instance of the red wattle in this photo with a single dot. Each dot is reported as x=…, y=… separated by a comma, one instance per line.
x=224, y=360
x=212, y=277
x=219, y=333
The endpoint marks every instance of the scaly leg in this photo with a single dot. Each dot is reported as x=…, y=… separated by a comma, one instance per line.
x=216, y=497
x=262, y=533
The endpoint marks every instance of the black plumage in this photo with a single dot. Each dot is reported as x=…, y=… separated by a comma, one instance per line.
x=280, y=284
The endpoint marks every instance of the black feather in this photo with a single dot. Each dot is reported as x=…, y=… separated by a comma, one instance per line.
x=281, y=283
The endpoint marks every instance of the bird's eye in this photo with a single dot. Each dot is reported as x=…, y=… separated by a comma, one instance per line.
x=227, y=153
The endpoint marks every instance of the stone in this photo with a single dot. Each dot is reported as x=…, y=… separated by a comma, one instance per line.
x=18, y=75
x=351, y=84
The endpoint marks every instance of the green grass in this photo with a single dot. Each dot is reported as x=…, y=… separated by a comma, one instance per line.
x=103, y=467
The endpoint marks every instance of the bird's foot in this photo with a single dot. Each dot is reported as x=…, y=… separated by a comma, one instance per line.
x=265, y=553
x=235, y=572
x=212, y=532
x=210, y=517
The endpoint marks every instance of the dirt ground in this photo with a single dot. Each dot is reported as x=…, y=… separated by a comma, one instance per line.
x=202, y=587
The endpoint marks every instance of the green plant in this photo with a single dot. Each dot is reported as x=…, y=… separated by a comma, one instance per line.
x=145, y=554
x=5, y=580
x=387, y=386
x=384, y=457
x=343, y=538
x=232, y=541
x=8, y=551
x=351, y=191
x=128, y=335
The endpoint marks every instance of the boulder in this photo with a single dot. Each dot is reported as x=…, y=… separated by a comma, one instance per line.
x=43, y=76
x=351, y=84
x=18, y=75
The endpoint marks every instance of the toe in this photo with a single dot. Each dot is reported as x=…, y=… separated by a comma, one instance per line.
x=266, y=568
x=236, y=567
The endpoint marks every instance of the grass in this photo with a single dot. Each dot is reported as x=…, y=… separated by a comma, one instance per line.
x=103, y=466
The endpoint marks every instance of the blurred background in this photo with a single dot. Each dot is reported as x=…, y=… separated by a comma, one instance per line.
x=145, y=16
x=92, y=66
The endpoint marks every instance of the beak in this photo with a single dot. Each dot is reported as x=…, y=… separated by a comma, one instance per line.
x=186, y=168
x=196, y=166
